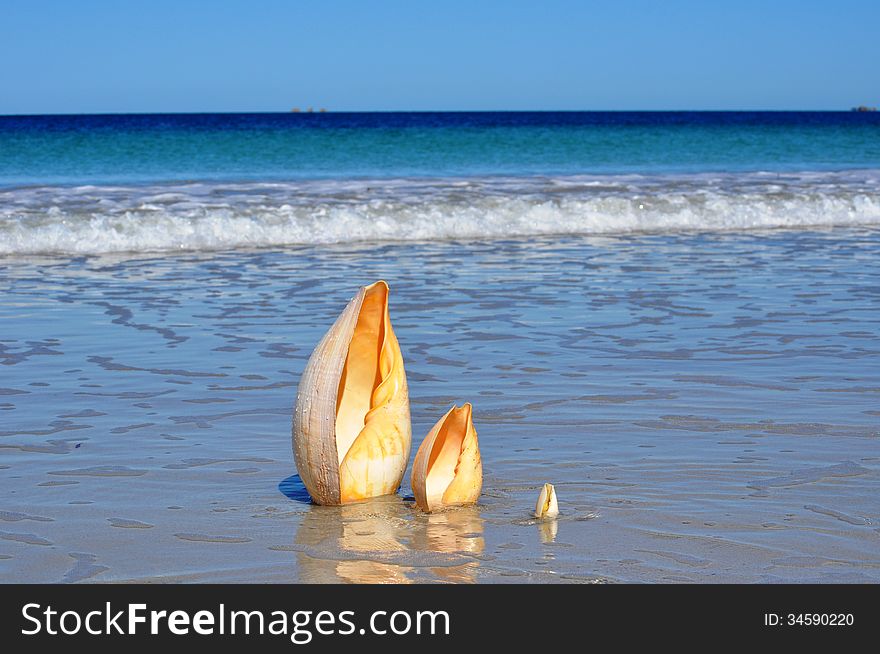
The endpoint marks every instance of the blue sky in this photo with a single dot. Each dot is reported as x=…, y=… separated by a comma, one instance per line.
x=91, y=56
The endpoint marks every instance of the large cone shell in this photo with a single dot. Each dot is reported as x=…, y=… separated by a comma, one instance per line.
x=351, y=423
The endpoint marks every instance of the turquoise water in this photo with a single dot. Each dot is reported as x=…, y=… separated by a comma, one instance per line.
x=148, y=148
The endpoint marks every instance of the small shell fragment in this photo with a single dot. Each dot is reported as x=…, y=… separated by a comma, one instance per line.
x=547, y=506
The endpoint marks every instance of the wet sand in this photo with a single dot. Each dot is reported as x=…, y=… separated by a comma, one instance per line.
x=706, y=405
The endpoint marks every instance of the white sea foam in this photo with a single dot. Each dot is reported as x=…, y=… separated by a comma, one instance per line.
x=203, y=216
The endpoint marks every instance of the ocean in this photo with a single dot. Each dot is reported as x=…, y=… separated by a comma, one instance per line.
x=673, y=317
x=150, y=183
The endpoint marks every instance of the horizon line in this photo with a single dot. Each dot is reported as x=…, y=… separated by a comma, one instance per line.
x=324, y=111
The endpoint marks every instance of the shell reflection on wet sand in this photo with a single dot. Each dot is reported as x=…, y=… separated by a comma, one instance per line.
x=456, y=531
x=352, y=540
x=383, y=541
x=547, y=530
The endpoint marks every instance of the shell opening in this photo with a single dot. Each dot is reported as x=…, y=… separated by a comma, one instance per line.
x=446, y=452
x=362, y=372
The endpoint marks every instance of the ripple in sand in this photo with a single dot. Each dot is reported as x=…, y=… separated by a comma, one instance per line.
x=101, y=471
x=84, y=568
x=55, y=427
x=12, y=391
x=30, y=539
x=128, y=524
x=265, y=387
x=86, y=413
x=853, y=520
x=107, y=363
x=719, y=380
x=803, y=561
x=128, y=428
x=408, y=558
x=586, y=580
x=15, y=516
x=204, y=538
x=197, y=463
x=62, y=446
x=810, y=475
x=684, y=559
x=206, y=419
x=128, y=395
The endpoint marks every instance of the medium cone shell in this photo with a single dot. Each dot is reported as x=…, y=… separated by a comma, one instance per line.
x=448, y=470
x=351, y=425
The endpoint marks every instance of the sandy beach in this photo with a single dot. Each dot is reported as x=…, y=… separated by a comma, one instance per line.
x=700, y=424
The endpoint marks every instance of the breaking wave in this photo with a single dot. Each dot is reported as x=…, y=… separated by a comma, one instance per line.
x=215, y=216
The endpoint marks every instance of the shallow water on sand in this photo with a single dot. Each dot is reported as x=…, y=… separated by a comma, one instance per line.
x=706, y=406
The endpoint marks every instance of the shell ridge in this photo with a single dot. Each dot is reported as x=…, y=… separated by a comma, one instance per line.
x=318, y=388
